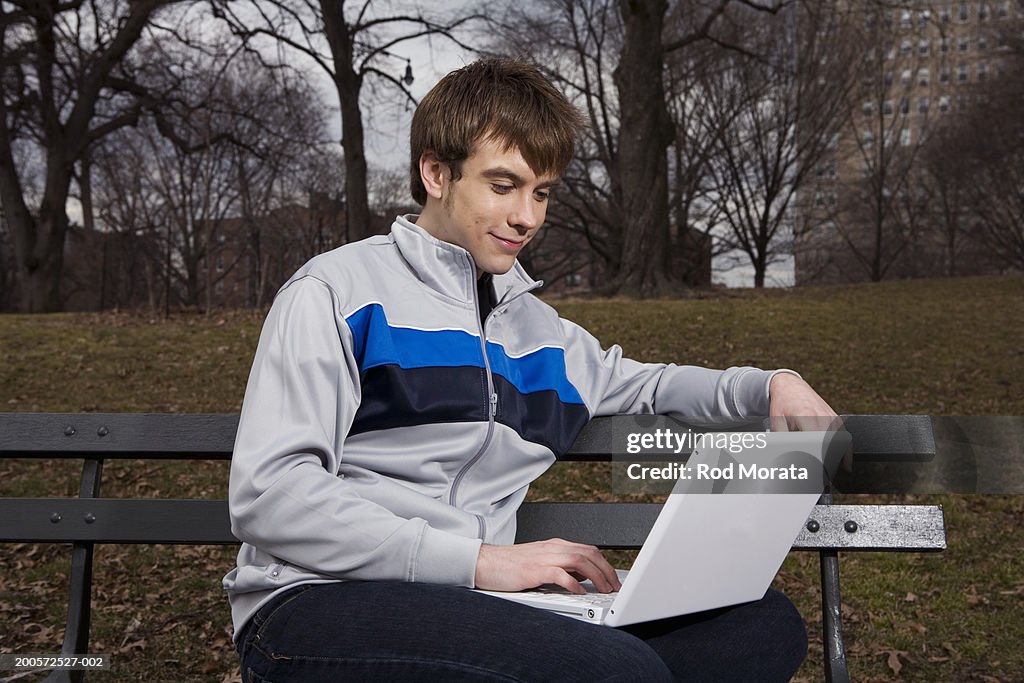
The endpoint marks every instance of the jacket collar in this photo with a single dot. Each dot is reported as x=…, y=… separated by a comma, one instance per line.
x=448, y=268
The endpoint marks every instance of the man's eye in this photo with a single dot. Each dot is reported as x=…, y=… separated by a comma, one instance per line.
x=502, y=189
x=542, y=196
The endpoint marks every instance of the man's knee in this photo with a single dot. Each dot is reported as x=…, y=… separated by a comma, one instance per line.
x=781, y=630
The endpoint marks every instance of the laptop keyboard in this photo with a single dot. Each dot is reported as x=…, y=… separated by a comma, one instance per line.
x=561, y=596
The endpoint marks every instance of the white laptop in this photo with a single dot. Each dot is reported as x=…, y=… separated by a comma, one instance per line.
x=708, y=550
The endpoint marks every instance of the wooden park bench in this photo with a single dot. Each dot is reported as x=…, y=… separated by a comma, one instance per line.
x=89, y=519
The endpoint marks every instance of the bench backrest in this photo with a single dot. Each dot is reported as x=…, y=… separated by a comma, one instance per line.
x=95, y=437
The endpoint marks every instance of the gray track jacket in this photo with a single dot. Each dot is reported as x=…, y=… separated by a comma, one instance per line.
x=384, y=435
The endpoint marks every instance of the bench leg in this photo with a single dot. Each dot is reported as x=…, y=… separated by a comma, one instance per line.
x=76, y=631
x=832, y=621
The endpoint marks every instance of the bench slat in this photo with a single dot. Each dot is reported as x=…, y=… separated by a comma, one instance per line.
x=195, y=436
x=608, y=525
x=876, y=438
x=877, y=527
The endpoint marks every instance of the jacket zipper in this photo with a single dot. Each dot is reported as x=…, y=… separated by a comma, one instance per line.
x=492, y=408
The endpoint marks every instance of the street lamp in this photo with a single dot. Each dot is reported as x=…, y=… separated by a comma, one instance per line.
x=408, y=77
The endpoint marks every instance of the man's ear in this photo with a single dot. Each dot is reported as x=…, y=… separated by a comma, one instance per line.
x=434, y=174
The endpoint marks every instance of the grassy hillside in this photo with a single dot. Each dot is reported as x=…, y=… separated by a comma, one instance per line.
x=942, y=347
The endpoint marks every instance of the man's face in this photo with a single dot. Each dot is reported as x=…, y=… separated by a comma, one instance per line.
x=493, y=210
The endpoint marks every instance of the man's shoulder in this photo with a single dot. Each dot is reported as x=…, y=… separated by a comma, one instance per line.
x=349, y=260
x=351, y=270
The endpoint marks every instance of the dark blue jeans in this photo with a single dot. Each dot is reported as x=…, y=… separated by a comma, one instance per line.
x=379, y=631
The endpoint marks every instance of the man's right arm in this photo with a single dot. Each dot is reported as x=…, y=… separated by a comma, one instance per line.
x=285, y=497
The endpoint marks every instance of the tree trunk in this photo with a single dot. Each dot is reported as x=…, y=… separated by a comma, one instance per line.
x=645, y=132
x=39, y=246
x=348, y=84
x=359, y=223
x=37, y=286
x=760, y=268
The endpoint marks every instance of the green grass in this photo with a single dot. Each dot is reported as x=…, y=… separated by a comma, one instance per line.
x=942, y=347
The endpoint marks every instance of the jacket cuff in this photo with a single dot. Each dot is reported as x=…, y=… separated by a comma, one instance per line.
x=750, y=397
x=445, y=558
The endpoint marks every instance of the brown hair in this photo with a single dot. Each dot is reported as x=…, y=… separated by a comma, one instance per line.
x=506, y=100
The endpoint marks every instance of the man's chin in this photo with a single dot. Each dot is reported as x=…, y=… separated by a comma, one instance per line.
x=497, y=268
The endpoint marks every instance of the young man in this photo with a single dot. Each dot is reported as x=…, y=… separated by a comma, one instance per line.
x=405, y=392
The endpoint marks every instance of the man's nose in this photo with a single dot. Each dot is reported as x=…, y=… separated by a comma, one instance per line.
x=527, y=215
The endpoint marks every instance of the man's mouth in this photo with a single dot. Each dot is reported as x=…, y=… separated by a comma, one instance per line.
x=510, y=245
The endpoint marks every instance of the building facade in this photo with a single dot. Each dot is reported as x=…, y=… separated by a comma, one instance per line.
x=881, y=203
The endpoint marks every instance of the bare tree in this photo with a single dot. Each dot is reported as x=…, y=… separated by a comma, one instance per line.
x=210, y=200
x=772, y=110
x=67, y=82
x=347, y=42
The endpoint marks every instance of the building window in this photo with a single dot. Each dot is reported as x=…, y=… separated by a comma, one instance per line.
x=905, y=77
x=961, y=72
x=905, y=137
x=983, y=11
x=922, y=105
x=887, y=108
x=982, y=71
x=964, y=43
x=868, y=108
x=905, y=106
x=965, y=12
x=944, y=104
x=1003, y=10
x=905, y=47
x=944, y=44
x=887, y=78
x=982, y=43
x=219, y=263
x=944, y=73
x=924, y=46
x=906, y=19
x=923, y=17
x=868, y=138
x=923, y=76
x=945, y=14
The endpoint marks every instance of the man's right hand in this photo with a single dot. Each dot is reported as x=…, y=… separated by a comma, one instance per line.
x=556, y=561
